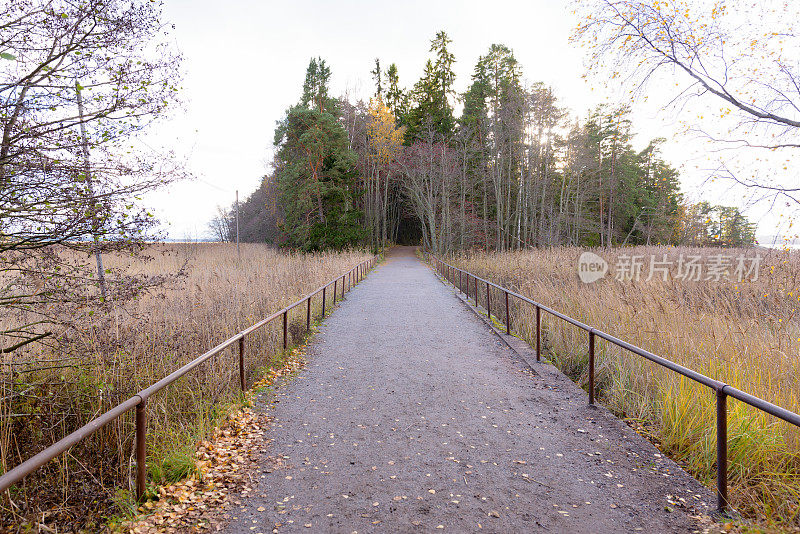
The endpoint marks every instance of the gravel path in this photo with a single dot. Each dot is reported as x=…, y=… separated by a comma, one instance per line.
x=411, y=415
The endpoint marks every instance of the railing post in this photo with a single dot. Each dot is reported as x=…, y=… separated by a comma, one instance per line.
x=241, y=363
x=591, y=367
x=722, y=450
x=285, y=329
x=308, y=315
x=488, y=303
x=335, y=290
x=343, y=278
x=538, y=334
x=460, y=281
x=508, y=317
x=323, y=300
x=141, y=448
x=476, y=290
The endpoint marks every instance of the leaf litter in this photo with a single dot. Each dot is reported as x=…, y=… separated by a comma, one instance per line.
x=224, y=468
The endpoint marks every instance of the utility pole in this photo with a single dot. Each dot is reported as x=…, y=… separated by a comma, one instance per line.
x=101, y=277
x=238, y=252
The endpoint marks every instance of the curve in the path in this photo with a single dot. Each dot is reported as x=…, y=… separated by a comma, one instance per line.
x=411, y=415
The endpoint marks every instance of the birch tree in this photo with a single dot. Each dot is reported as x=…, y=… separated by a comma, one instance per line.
x=78, y=83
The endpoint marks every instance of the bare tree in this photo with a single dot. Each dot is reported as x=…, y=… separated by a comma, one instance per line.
x=220, y=225
x=429, y=175
x=738, y=58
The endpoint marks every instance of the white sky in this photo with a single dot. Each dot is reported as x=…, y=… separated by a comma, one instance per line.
x=245, y=62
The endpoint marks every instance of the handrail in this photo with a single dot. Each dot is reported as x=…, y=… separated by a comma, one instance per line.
x=722, y=390
x=139, y=400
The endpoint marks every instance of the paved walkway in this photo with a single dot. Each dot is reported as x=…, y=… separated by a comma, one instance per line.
x=413, y=416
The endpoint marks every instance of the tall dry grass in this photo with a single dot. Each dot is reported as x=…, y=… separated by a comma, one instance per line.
x=208, y=295
x=745, y=334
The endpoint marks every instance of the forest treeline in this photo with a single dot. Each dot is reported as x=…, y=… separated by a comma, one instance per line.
x=514, y=169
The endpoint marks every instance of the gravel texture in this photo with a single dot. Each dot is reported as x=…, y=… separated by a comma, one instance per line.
x=412, y=415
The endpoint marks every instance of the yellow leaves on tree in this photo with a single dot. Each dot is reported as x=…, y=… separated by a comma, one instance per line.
x=385, y=139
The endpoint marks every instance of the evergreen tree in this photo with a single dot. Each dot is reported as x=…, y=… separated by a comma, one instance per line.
x=316, y=171
x=431, y=107
x=377, y=75
x=443, y=67
x=315, y=87
x=396, y=98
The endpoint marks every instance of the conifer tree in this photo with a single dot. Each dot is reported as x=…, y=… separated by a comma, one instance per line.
x=377, y=76
x=430, y=96
x=316, y=170
x=396, y=97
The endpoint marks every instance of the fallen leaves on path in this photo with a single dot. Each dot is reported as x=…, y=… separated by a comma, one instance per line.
x=223, y=466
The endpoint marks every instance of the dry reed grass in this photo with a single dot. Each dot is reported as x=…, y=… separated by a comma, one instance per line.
x=132, y=345
x=745, y=334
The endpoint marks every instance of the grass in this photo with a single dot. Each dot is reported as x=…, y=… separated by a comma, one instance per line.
x=129, y=346
x=745, y=334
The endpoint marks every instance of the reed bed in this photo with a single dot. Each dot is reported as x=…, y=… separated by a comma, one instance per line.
x=743, y=333
x=208, y=295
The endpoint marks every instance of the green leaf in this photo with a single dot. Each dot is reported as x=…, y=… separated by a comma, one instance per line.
x=6, y=55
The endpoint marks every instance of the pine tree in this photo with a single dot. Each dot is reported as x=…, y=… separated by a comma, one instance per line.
x=315, y=87
x=316, y=170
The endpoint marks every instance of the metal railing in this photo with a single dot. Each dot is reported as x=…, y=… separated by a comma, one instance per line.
x=139, y=400
x=464, y=281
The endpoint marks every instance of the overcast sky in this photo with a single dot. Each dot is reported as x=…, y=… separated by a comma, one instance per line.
x=245, y=62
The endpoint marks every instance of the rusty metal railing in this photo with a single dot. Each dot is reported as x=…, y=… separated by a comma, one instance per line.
x=464, y=281
x=139, y=400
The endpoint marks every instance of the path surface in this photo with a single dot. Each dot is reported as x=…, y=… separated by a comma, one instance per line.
x=413, y=416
